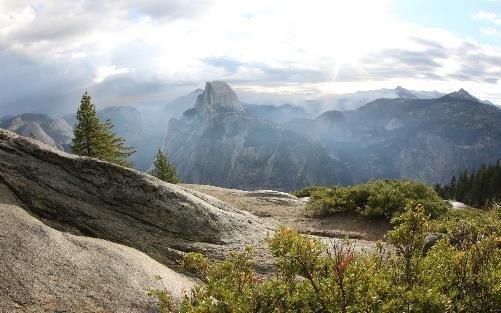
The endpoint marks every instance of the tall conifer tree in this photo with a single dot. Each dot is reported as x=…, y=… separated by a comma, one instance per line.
x=163, y=170
x=96, y=139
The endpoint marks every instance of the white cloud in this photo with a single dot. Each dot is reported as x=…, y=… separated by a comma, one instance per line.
x=104, y=72
x=488, y=16
x=491, y=31
x=287, y=46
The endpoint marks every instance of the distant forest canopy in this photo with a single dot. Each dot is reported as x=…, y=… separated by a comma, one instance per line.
x=477, y=189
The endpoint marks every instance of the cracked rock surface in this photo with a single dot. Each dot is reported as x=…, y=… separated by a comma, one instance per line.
x=85, y=196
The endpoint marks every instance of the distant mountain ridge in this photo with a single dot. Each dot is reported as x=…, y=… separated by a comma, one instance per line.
x=461, y=94
x=53, y=132
x=423, y=139
x=352, y=101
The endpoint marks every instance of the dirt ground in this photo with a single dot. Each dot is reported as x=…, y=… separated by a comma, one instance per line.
x=278, y=208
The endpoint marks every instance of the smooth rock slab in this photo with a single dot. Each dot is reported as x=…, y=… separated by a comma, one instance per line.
x=44, y=270
x=89, y=197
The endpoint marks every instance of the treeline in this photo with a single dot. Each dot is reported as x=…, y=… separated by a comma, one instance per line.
x=477, y=189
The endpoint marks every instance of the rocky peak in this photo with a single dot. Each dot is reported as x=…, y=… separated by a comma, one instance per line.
x=461, y=94
x=218, y=97
x=404, y=93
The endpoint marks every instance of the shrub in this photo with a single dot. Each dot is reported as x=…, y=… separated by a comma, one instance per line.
x=379, y=198
x=312, y=276
x=307, y=191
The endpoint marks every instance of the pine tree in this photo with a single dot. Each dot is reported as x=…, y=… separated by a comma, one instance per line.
x=479, y=188
x=452, y=188
x=163, y=170
x=96, y=139
x=116, y=151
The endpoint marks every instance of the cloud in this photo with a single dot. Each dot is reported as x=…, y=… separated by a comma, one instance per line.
x=258, y=72
x=491, y=31
x=127, y=90
x=168, y=9
x=104, y=72
x=230, y=65
x=132, y=51
x=432, y=61
x=488, y=16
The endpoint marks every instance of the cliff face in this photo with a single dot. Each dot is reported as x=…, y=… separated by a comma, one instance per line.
x=89, y=197
x=423, y=139
x=218, y=143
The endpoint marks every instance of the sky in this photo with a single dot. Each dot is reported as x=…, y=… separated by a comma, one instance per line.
x=146, y=52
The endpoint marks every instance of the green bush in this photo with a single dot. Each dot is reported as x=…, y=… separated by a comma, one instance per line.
x=307, y=191
x=468, y=225
x=312, y=276
x=379, y=198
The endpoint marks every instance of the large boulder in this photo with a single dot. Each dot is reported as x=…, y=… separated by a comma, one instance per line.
x=44, y=270
x=85, y=196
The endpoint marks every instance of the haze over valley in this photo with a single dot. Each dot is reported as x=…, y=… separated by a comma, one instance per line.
x=213, y=138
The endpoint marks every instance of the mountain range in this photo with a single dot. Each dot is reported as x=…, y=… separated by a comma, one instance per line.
x=423, y=139
x=352, y=101
x=214, y=138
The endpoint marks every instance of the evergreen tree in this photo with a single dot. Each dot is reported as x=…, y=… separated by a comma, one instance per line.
x=163, y=170
x=452, y=188
x=478, y=188
x=116, y=152
x=96, y=139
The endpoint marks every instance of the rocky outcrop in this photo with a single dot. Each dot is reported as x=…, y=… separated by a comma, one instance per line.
x=85, y=196
x=44, y=270
x=218, y=143
x=218, y=97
